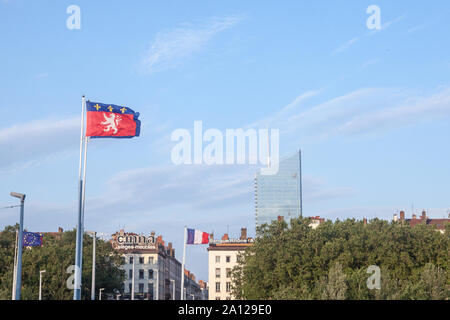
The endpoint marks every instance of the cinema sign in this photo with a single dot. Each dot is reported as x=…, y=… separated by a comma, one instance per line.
x=133, y=242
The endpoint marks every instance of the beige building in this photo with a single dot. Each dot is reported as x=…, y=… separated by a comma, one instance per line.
x=156, y=271
x=222, y=257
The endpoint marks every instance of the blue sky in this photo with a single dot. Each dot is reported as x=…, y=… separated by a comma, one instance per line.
x=369, y=109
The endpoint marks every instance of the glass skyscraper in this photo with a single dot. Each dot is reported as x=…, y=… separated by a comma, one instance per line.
x=279, y=194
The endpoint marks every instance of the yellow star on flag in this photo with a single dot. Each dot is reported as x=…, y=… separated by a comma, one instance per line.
x=123, y=109
x=110, y=109
x=97, y=107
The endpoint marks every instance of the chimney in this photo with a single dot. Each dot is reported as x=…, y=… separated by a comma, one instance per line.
x=159, y=240
x=365, y=221
x=280, y=218
x=402, y=215
x=225, y=236
x=395, y=217
x=243, y=233
x=424, y=215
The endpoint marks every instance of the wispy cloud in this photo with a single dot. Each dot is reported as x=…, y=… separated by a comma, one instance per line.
x=170, y=47
x=26, y=143
x=369, y=63
x=361, y=112
x=352, y=41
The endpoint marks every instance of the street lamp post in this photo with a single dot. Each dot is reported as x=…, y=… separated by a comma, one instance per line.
x=15, y=267
x=157, y=284
x=173, y=288
x=40, y=283
x=132, y=280
x=100, y=293
x=20, y=245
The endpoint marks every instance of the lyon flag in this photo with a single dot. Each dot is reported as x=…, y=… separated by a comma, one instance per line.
x=111, y=121
x=197, y=237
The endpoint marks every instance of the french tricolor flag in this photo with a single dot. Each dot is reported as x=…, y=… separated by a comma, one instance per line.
x=197, y=237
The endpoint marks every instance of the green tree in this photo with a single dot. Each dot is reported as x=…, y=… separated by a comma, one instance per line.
x=295, y=261
x=55, y=256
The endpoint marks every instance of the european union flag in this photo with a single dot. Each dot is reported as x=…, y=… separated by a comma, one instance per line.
x=32, y=239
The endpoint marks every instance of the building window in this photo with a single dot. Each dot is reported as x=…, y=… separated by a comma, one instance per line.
x=130, y=287
x=228, y=259
x=228, y=298
x=217, y=286
x=217, y=272
x=217, y=259
x=150, y=260
x=217, y=298
x=141, y=288
x=228, y=272
x=141, y=274
x=141, y=260
x=150, y=274
x=228, y=288
x=130, y=273
x=131, y=260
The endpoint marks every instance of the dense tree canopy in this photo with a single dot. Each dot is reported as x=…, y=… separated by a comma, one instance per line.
x=330, y=262
x=55, y=256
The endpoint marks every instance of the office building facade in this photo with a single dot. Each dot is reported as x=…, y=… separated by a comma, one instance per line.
x=279, y=194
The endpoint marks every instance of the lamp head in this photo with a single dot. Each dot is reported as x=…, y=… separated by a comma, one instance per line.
x=18, y=195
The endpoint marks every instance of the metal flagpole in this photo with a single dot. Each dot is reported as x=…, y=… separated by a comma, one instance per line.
x=79, y=236
x=301, y=191
x=182, y=265
x=86, y=139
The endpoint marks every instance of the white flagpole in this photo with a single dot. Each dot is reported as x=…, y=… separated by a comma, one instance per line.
x=86, y=139
x=182, y=265
x=79, y=235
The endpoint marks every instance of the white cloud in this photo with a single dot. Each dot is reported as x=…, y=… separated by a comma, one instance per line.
x=171, y=46
x=352, y=41
x=29, y=142
x=363, y=111
x=369, y=63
